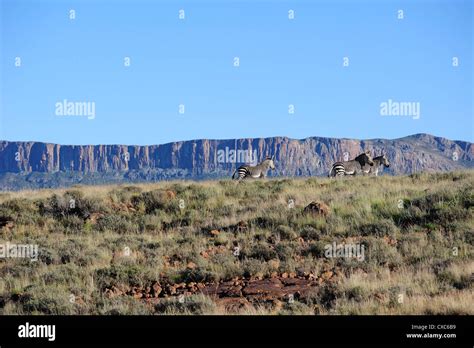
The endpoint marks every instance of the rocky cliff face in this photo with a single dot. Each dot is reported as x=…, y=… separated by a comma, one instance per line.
x=201, y=158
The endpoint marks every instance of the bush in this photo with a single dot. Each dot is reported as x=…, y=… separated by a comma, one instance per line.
x=71, y=203
x=309, y=232
x=123, y=305
x=73, y=224
x=285, y=251
x=21, y=211
x=153, y=200
x=124, y=194
x=254, y=267
x=195, y=304
x=286, y=232
x=121, y=274
x=459, y=282
x=50, y=300
x=262, y=251
x=197, y=275
x=380, y=228
x=116, y=223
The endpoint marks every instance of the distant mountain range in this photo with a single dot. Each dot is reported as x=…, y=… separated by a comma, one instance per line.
x=36, y=164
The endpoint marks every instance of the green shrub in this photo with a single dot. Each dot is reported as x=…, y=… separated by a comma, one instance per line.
x=309, y=232
x=197, y=275
x=71, y=203
x=195, y=304
x=50, y=300
x=286, y=232
x=254, y=267
x=116, y=223
x=379, y=228
x=286, y=251
x=262, y=251
x=127, y=274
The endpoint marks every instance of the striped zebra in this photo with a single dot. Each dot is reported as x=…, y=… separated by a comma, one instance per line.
x=353, y=167
x=258, y=171
x=378, y=161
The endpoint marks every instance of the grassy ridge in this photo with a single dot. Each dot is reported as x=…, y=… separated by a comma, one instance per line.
x=417, y=233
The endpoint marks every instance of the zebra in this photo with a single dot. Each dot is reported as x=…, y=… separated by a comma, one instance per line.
x=378, y=161
x=353, y=167
x=258, y=171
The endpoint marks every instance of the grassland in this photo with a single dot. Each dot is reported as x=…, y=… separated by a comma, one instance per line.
x=156, y=248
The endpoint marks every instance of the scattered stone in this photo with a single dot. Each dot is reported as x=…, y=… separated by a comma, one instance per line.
x=243, y=291
x=264, y=289
x=191, y=265
x=327, y=275
x=214, y=233
x=170, y=194
x=317, y=209
x=156, y=289
x=390, y=241
x=226, y=289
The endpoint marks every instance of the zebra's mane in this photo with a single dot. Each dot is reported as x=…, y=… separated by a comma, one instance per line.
x=362, y=158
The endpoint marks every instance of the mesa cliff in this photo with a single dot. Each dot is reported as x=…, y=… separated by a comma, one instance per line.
x=204, y=158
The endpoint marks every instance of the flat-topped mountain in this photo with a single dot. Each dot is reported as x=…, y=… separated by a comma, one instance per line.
x=198, y=159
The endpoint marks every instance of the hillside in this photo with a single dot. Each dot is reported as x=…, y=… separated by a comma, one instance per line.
x=33, y=164
x=386, y=245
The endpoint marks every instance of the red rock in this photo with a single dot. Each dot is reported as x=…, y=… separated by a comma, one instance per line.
x=327, y=275
x=191, y=265
x=156, y=289
x=266, y=288
x=317, y=209
x=214, y=233
x=170, y=194
x=226, y=289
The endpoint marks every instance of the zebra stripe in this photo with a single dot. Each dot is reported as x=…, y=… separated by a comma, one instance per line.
x=242, y=173
x=352, y=167
x=258, y=171
x=338, y=169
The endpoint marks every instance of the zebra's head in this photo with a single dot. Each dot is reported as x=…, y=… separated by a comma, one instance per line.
x=385, y=161
x=270, y=163
x=365, y=158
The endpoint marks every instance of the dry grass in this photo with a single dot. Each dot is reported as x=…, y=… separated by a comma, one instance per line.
x=417, y=232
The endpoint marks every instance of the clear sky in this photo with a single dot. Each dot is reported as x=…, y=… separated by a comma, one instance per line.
x=190, y=61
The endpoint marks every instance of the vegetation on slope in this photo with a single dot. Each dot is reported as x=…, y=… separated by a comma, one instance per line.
x=165, y=248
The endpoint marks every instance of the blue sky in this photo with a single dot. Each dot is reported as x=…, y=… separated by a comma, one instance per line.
x=190, y=62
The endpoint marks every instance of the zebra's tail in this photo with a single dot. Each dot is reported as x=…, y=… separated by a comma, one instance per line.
x=337, y=169
x=234, y=174
x=331, y=173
